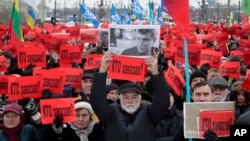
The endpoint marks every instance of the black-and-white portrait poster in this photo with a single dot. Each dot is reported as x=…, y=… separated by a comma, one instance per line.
x=134, y=40
x=104, y=37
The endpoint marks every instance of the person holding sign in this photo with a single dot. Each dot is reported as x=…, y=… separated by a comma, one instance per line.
x=13, y=128
x=129, y=118
x=145, y=38
x=84, y=128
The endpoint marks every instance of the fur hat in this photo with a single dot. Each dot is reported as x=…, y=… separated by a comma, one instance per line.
x=84, y=105
x=195, y=74
x=13, y=107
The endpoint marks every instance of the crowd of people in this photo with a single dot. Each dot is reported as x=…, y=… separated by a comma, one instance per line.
x=119, y=110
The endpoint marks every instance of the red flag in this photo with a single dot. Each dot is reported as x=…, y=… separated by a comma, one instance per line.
x=244, y=19
x=179, y=10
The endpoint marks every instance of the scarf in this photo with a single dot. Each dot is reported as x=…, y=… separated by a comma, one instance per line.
x=13, y=133
x=83, y=133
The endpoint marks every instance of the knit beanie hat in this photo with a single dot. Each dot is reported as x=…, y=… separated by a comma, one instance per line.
x=197, y=74
x=111, y=87
x=244, y=119
x=84, y=105
x=13, y=107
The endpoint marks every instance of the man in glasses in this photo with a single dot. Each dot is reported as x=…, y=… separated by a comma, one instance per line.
x=145, y=38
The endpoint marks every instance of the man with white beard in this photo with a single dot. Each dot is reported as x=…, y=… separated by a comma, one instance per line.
x=130, y=119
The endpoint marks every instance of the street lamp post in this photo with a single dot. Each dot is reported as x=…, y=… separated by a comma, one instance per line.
x=239, y=19
x=55, y=10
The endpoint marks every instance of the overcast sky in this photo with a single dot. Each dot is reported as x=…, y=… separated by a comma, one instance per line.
x=90, y=3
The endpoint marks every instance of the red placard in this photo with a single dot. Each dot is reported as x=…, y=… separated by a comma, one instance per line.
x=193, y=54
x=3, y=64
x=237, y=53
x=69, y=54
x=246, y=82
x=212, y=57
x=89, y=35
x=52, y=79
x=127, y=68
x=93, y=61
x=174, y=79
x=22, y=87
x=73, y=76
x=4, y=79
x=169, y=53
x=31, y=55
x=218, y=121
x=230, y=69
x=246, y=57
x=74, y=31
x=57, y=40
x=51, y=108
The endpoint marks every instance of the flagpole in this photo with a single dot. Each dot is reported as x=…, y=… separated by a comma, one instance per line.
x=228, y=5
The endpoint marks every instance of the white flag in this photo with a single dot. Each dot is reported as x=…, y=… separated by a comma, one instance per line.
x=33, y=3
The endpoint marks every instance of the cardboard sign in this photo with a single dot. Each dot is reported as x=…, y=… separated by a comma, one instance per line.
x=73, y=76
x=246, y=57
x=23, y=87
x=194, y=51
x=31, y=55
x=51, y=108
x=4, y=79
x=246, y=82
x=211, y=57
x=127, y=68
x=89, y=35
x=52, y=79
x=217, y=120
x=70, y=54
x=174, y=79
x=231, y=69
x=191, y=114
x=3, y=64
x=93, y=61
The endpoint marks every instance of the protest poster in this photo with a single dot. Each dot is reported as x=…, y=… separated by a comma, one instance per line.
x=31, y=55
x=74, y=31
x=127, y=39
x=23, y=87
x=4, y=84
x=51, y=108
x=57, y=40
x=127, y=68
x=174, y=79
x=194, y=51
x=93, y=61
x=230, y=69
x=169, y=53
x=210, y=56
x=217, y=120
x=52, y=79
x=237, y=53
x=70, y=54
x=104, y=37
x=191, y=112
x=246, y=82
x=246, y=57
x=89, y=35
x=3, y=64
x=73, y=76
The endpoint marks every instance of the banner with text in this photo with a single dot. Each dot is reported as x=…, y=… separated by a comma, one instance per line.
x=70, y=54
x=212, y=57
x=93, y=61
x=51, y=108
x=89, y=35
x=4, y=79
x=230, y=69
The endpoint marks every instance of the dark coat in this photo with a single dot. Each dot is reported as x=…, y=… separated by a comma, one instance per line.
x=121, y=126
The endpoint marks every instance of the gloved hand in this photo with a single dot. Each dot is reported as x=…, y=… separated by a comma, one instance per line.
x=28, y=71
x=46, y=94
x=210, y=135
x=58, y=121
x=29, y=105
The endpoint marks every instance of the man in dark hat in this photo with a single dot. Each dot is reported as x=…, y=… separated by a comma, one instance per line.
x=220, y=88
x=87, y=79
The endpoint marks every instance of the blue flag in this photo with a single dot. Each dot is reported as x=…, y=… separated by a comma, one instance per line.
x=163, y=6
x=137, y=9
x=31, y=19
x=151, y=13
x=89, y=16
x=126, y=16
x=159, y=16
x=115, y=16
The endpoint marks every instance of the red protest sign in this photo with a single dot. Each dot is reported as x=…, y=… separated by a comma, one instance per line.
x=218, y=121
x=231, y=69
x=22, y=87
x=74, y=31
x=52, y=79
x=237, y=53
x=246, y=82
x=69, y=54
x=193, y=54
x=4, y=84
x=51, y=108
x=246, y=57
x=89, y=35
x=174, y=79
x=93, y=61
x=27, y=44
x=57, y=40
x=73, y=76
x=169, y=53
x=127, y=68
x=31, y=55
x=212, y=57
x=3, y=64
